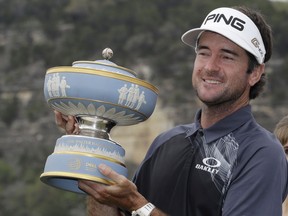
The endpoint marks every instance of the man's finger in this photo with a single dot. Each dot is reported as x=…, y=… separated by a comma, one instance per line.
x=110, y=173
x=70, y=125
x=59, y=119
x=90, y=188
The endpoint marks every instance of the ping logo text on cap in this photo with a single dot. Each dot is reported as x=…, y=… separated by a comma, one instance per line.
x=234, y=22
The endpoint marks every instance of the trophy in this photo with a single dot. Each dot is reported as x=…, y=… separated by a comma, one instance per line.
x=101, y=95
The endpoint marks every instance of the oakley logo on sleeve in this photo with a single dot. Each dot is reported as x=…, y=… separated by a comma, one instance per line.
x=234, y=22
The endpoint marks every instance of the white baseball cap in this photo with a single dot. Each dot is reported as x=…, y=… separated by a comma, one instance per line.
x=233, y=25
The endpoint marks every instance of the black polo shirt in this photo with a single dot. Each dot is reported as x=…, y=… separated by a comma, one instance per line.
x=235, y=167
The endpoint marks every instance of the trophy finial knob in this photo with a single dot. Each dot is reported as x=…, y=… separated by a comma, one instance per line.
x=107, y=53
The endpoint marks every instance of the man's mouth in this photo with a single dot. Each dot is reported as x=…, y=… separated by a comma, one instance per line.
x=211, y=81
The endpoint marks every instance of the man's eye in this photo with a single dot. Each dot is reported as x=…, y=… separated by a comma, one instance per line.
x=228, y=57
x=202, y=53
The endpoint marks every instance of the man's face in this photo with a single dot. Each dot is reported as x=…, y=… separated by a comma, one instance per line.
x=220, y=70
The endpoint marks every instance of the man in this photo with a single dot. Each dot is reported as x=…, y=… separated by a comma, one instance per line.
x=224, y=163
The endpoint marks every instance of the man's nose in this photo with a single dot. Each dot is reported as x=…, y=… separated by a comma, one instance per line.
x=212, y=63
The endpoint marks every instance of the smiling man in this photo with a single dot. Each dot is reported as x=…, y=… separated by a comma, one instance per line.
x=224, y=163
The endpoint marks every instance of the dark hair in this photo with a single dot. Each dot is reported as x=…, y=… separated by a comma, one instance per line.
x=266, y=33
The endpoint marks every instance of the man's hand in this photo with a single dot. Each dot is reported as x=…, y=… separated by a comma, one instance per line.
x=68, y=123
x=123, y=193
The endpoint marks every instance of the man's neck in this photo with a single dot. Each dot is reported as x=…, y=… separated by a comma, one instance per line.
x=212, y=114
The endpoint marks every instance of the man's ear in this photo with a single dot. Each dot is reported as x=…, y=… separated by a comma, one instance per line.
x=256, y=74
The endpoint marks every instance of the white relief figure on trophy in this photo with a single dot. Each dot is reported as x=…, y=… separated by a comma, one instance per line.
x=141, y=100
x=63, y=86
x=57, y=85
x=130, y=95
x=122, y=94
x=135, y=96
x=49, y=87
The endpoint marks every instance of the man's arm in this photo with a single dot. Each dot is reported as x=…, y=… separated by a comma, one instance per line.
x=123, y=193
x=94, y=208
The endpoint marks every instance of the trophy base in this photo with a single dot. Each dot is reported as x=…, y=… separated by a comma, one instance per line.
x=77, y=157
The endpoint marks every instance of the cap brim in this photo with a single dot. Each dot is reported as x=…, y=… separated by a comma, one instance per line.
x=191, y=36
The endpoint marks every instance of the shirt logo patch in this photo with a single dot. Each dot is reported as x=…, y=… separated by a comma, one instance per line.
x=210, y=164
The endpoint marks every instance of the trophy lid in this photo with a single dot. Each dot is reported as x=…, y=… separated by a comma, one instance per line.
x=105, y=64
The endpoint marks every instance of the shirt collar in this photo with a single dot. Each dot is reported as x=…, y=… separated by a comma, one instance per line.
x=224, y=126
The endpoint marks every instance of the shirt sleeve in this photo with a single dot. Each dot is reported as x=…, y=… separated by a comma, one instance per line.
x=260, y=185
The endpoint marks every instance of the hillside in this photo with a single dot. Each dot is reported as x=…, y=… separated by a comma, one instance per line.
x=145, y=37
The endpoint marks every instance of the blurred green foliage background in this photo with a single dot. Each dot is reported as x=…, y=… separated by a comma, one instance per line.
x=144, y=35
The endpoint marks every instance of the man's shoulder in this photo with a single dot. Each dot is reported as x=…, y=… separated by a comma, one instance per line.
x=256, y=133
x=175, y=131
x=179, y=131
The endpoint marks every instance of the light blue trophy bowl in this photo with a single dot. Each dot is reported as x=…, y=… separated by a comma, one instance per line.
x=100, y=95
